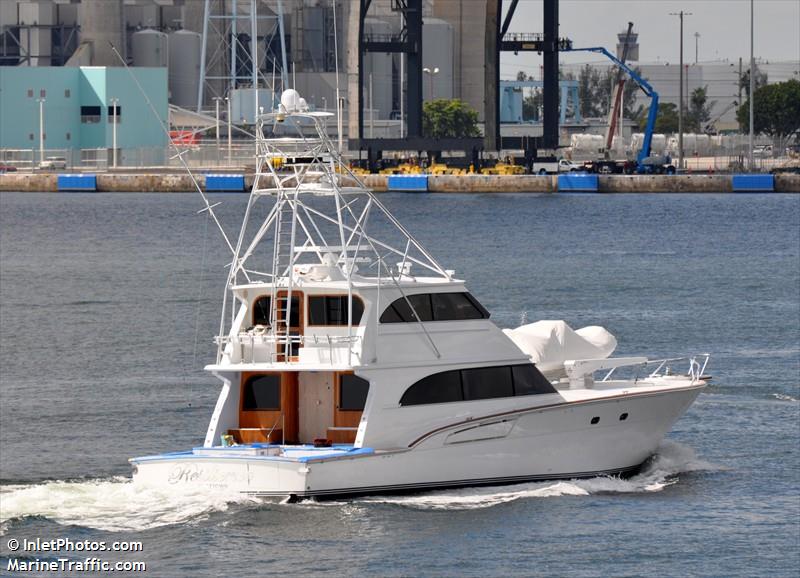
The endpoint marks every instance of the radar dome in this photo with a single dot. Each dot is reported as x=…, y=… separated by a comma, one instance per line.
x=290, y=100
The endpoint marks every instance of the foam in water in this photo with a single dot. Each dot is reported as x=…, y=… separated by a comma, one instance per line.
x=671, y=459
x=118, y=505
x=114, y=504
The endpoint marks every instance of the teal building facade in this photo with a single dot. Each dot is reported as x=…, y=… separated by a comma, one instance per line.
x=78, y=112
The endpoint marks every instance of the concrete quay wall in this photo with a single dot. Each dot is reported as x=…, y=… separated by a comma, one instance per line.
x=175, y=183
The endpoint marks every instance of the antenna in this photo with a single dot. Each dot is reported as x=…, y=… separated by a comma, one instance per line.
x=179, y=153
x=336, y=58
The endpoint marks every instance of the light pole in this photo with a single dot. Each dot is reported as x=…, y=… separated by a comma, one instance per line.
x=431, y=74
x=115, y=120
x=41, y=129
x=696, y=47
x=216, y=100
x=680, y=14
x=228, y=100
x=752, y=83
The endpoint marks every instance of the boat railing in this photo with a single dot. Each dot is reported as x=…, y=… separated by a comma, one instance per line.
x=252, y=347
x=696, y=370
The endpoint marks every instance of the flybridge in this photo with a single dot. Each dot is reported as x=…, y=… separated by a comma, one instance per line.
x=323, y=225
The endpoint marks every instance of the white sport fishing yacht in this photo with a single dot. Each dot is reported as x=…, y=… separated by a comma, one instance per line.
x=353, y=363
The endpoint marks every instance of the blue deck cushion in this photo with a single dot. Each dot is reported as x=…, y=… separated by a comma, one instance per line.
x=577, y=182
x=751, y=183
x=77, y=182
x=407, y=183
x=225, y=183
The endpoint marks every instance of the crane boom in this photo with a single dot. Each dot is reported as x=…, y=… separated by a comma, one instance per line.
x=645, y=87
x=619, y=92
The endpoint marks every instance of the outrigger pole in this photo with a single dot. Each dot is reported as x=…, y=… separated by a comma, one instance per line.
x=178, y=153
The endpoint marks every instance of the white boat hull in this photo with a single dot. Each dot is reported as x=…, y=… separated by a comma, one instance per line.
x=549, y=443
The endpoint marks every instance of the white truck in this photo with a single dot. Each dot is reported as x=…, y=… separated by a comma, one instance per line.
x=556, y=166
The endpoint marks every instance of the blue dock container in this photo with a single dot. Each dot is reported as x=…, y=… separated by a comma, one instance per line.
x=225, y=183
x=577, y=182
x=78, y=182
x=417, y=183
x=753, y=183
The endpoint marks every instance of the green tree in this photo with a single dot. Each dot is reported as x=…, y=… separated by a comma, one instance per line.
x=449, y=118
x=776, y=109
x=699, y=109
x=666, y=120
x=596, y=88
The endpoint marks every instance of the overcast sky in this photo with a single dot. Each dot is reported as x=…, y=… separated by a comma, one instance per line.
x=723, y=25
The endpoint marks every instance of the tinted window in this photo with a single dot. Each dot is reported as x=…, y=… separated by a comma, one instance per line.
x=332, y=310
x=487, y=382
x=352, y=392
x=90, y=114
x=437, y=388
x=456, y=306
x=529, y=381
x=400, y=312
x=261, y=309
x=478, y=383
x=262, y=392
x=435, y=307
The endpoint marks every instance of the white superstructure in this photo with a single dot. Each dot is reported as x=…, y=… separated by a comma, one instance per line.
x=352, y=362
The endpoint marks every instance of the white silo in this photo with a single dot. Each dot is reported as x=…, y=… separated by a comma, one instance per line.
x=437, y=52
x=184, y=67
x=150, y=48
x=378, y=65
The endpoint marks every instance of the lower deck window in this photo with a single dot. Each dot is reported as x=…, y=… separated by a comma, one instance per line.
x=262, y=392
x=353, y=392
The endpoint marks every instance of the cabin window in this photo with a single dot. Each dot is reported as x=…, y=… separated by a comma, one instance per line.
x=435, y=307
x=456, y=306
x=262, y=392
x=477, y=383
x=437, y=388
x=353, y=392
x=528, y=380
x=400, y=312
x=332, y=310
x=261, y=310
x=487, y=382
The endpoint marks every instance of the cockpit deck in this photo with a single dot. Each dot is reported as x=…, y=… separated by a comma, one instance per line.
x=300, y=453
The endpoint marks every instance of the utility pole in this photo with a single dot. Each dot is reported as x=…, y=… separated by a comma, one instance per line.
x=696, y=47
x=41, y=129
x=680, y=14
x=228, y=100
x=752, y=82
x=216, y=103
x=115, y=120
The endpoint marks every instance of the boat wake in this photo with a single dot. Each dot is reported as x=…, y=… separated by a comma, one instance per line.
x=116, y=504
x=662, y=471
x=111, y=504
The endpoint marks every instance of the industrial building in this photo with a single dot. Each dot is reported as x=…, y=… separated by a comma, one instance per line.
x=70, y=112
x=207, y=48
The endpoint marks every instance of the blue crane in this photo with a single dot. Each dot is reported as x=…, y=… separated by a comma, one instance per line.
x=644, y=154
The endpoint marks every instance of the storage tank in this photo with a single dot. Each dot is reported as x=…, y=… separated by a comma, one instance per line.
x=184, y=67
x=587, y=143
x=379, y=65
x=150, y=48
x=437, y=52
